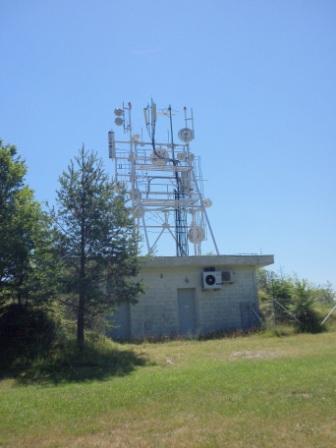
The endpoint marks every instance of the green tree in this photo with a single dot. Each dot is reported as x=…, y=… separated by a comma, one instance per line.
x=27, y=259
x=98, y=241
x=12, y=171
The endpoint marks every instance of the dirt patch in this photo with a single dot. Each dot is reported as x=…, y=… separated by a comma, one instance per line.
x=259, y=354
x=300, y=394
x=170, y=361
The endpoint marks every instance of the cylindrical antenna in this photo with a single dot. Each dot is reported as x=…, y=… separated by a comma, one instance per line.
x=185, y=117
x=111, y=145
x=172, y=134
x=130, y=118
x=153, y=113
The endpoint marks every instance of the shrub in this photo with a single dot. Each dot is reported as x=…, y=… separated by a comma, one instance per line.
x=308, y=320
x=25, y=333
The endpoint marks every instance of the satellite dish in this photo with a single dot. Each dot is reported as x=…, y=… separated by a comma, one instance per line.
x=118, y=112
x=159, y=157
x=181, y=156
x=119, y=121
x=207, y=202
x=186, y=135
x=196, y=234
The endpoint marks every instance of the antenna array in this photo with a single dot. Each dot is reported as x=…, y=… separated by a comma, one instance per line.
x=162, y=181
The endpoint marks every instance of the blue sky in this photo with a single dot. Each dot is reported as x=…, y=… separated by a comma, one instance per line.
x=260, y=76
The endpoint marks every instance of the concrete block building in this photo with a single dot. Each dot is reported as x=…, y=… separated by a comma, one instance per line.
x=192, y=296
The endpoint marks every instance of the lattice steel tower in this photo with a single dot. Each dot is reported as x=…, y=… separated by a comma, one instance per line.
x=162, y=180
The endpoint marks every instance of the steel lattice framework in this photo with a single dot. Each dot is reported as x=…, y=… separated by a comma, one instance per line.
x=162, y=181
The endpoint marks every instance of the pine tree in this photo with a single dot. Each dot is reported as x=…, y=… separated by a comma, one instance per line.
x=98, y=241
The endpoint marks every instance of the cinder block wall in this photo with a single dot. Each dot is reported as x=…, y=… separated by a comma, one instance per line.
x=156, y=313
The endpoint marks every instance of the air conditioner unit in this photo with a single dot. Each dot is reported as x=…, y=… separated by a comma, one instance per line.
x=212, y=279
x=227, y=277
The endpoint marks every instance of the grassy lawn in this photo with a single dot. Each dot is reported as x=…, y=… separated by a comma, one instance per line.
x=257, y=391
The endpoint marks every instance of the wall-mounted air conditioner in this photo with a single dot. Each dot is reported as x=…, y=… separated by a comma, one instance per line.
x=212, y=279
x=227, y=277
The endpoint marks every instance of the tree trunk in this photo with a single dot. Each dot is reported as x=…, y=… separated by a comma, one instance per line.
x=82, y=292
x=80, y=322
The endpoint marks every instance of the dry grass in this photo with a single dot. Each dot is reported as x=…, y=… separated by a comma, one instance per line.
x=245, y=392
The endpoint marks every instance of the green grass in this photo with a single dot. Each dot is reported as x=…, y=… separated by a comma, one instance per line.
x=257, y=391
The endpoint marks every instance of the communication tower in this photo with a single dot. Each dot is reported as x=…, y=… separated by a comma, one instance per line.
x=162, y=180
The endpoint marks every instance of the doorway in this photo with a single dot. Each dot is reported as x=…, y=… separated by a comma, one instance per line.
x=186, y=300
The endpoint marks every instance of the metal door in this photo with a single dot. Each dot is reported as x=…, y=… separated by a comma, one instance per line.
x=187, y=311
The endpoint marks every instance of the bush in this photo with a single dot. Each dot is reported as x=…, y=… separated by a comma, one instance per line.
x=308, y=320
x=25, y=333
